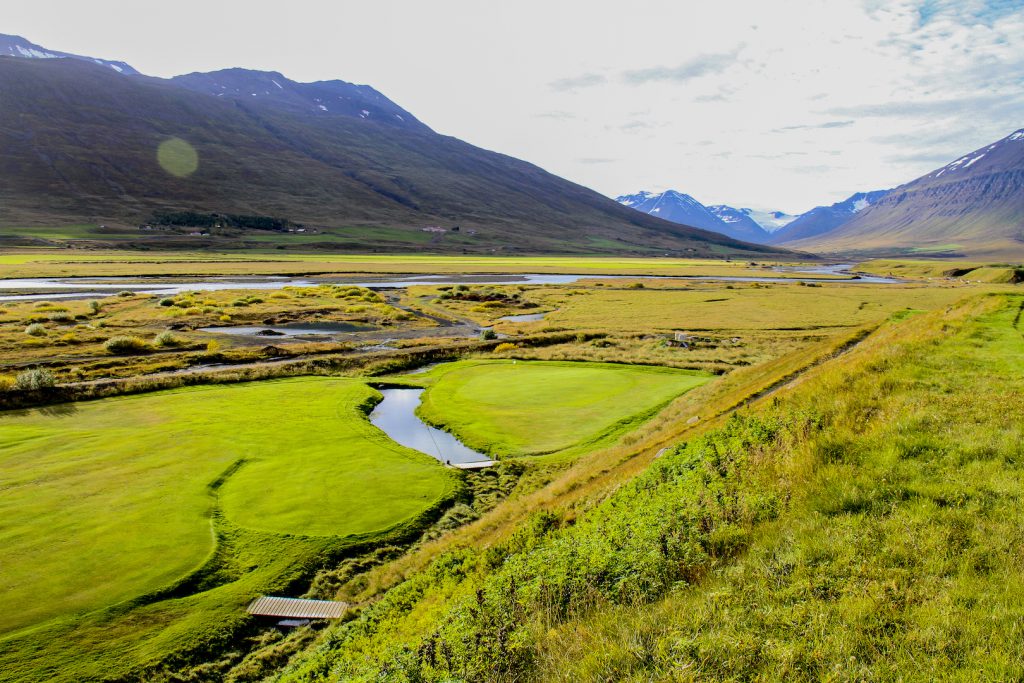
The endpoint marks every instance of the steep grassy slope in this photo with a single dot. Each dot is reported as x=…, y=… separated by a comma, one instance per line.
x=862, y=525
x=80, y=144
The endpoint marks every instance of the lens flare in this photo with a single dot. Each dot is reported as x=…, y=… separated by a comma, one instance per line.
x=177, y=157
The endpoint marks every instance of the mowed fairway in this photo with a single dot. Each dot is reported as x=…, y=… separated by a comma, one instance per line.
x=107, y=500
x=530, y=408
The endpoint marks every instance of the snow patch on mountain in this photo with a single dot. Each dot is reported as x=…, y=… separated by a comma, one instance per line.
x=16, y=46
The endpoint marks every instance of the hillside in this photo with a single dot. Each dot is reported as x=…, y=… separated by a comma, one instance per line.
x=16, y=46
x=974, y=205
x=823, y=219
x=80, y=145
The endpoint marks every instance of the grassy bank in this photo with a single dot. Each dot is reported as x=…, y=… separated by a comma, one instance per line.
x=862, y=524
x=979, y=272
x=509, y=408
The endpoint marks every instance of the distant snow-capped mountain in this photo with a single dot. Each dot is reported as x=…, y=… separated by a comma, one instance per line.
x=770, y=220
x=682, y=208
x=824, y=219
x=740, y=219
x=673, y=206
x=16, y=46
x=973, y=205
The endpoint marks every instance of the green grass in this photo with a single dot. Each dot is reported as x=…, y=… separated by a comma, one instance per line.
x=331, y=473
x=663, y=306
x=509, y=408
x=62, y=232
x=38, y=262
x=107, y=500
x=863, y=524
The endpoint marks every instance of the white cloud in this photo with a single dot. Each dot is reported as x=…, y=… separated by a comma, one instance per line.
x=740, y=102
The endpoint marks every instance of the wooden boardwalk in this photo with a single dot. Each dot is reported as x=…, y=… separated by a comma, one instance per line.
x=478, y=465
x=295, y=608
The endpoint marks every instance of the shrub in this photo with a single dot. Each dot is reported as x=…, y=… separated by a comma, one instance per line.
x=95, y=306
x=505, y=346
x=6, y=382
x=488, y=334
x=125, y=345
x=35, y=330
x=225, y=318
x=166, y=301
x=166, y=338
x=212, y=346
x=49, y=306
x=33, y=380
x=61, y=317
x=125, y=292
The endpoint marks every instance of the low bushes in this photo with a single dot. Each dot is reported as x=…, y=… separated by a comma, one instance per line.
x=165, y=339
x=34, y=380
x=124, y=345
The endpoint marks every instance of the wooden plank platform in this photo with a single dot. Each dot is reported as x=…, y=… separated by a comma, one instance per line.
x=478, y=465
x=296, y=608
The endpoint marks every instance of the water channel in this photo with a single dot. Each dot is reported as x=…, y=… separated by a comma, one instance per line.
x=92, y=287
x=396, y=417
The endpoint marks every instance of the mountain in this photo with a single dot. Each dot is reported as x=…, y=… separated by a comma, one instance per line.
x=973, y=205
x=770, y=220
x=684, y=209
x=79, y=143
x=823, y=219
x=741, y=223
x=16, y=46
x=323, y=98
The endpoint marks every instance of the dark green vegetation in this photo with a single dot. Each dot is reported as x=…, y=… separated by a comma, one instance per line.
x=96, y=161
x=862, y=525
x=215, y=220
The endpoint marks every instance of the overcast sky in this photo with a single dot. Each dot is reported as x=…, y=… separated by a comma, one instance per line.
x=770, y=104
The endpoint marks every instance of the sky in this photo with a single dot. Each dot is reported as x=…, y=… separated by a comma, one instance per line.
x=770, y=104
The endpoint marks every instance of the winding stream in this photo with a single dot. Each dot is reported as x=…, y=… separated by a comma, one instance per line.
x=396, y=417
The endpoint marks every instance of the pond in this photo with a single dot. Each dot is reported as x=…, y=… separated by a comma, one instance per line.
x=524, y=317
x=396, y=417
x=289, y=329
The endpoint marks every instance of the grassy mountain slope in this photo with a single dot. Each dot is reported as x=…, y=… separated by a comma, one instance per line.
x=80, y=142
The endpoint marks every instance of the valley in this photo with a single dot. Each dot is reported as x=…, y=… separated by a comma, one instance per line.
x=236, y=444
x=302, y=382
